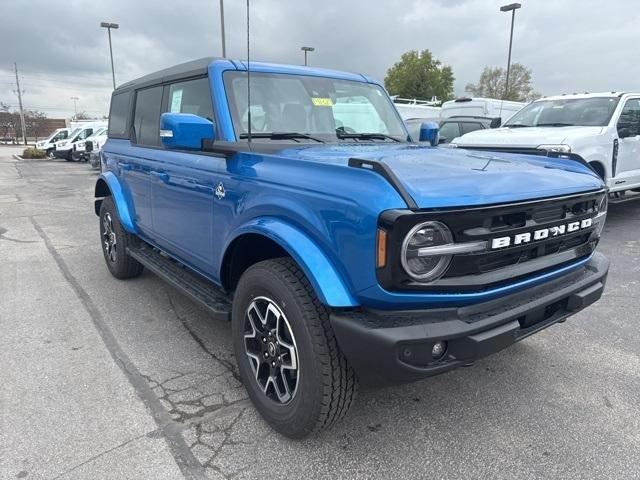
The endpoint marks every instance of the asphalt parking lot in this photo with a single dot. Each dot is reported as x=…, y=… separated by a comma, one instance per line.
x=103, y=378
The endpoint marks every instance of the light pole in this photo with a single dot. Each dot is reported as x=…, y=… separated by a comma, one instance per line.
x=75, y=107
x=305, y=50
x=224, y=43
x=509, y=8
x=109, y=26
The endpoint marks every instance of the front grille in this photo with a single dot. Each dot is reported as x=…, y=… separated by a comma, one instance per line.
x=488, y=269
x=88, y=146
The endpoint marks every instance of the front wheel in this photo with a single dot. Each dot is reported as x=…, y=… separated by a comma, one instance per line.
x=287, y=353
x=50, y=153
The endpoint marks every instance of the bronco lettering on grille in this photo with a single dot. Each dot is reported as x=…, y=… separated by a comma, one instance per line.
x=542, y=234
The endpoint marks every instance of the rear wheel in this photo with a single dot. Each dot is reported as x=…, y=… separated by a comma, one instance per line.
x=287, y=353
x=115, y=240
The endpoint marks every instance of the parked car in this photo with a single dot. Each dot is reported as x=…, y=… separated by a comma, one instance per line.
x=602, y=128
x=480, y=107
x=80, y=152
x=339, y=253
x=93, y=146
x=66, y=148
x=452, y=127
x=49, y=143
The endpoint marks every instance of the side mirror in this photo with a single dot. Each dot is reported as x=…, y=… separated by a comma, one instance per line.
x=495, y=122
x=624, y=131
x=185, y=131
x=430, y=132
x=442, y=140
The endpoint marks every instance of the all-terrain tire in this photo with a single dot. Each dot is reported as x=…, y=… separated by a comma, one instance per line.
x=115, y=240
x=326, y=384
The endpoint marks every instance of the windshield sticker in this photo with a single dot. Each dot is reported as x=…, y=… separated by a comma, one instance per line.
x=322, y=102
x=176, y=101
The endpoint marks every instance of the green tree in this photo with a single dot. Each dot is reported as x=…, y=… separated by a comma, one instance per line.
x=419, y=75
x=492, y=84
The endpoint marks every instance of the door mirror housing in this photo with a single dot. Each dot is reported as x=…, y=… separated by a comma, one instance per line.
x=185, y=131
x=495, y=122
x=624, y=131
x=430, y=132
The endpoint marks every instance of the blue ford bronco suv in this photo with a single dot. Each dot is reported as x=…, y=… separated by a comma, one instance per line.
x=339, y=249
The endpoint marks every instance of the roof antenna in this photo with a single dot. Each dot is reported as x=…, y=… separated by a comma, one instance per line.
x=248, y=82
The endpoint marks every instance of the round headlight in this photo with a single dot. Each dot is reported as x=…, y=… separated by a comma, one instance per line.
x=418, y=262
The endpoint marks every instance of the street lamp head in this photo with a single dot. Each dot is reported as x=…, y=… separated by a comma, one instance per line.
x=307, y=49
x=511, y=6
x=109, y=25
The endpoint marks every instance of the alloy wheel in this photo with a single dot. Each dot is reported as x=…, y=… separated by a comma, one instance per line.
x=271, y=348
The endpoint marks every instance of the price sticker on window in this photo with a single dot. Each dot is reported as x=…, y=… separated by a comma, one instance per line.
x=322, y=102
x=176, y=101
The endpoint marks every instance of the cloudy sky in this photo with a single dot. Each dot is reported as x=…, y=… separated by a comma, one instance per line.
x=571, y=45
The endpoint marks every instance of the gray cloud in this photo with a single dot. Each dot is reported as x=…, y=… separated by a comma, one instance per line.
x=573, y=45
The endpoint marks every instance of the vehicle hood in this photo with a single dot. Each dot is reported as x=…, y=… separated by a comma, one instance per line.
x=452, y=177
x=527, y=137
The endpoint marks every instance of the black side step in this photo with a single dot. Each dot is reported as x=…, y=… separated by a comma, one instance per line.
x=189, y=283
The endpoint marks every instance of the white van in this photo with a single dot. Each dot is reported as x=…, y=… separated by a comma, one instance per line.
x=65, y=148
x=49, y=143
x=412, y=108
x=480, y=107
x=602, y=128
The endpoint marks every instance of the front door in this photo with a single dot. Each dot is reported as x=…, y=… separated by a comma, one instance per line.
x=628, y=165
x=183, y=184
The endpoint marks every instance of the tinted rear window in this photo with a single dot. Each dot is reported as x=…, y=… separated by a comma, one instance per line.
x=118, y=115
x=146, y=120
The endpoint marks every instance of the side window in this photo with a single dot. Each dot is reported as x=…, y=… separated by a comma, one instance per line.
x=466, y=127
x=85, y=133
x=192, y=96
x=146, y=119
x=630, y=116
x=118, y=115
x=449, y=131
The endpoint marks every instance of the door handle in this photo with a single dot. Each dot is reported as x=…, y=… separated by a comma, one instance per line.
x=162, y=176
x=124, y=165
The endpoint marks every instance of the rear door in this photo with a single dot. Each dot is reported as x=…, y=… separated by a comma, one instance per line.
x=134, y=164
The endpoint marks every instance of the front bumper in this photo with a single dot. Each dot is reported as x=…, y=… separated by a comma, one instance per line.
x=395, y=347
x=79, y=156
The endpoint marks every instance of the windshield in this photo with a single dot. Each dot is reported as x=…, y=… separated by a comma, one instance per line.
x=588, y=112
x=74, y=133
x=320, y=108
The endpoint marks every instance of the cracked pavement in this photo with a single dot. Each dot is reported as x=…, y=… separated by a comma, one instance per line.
x=129, y=379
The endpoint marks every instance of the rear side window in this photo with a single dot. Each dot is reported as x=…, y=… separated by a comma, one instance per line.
x=146, y=119
x=118, y=115
x=449, y=131
x=466, y=127
x=191, y=96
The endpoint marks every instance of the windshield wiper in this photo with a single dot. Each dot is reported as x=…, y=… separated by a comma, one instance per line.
x=366, y=136
x=516, y=125
x=555, y=124
x=282, y=136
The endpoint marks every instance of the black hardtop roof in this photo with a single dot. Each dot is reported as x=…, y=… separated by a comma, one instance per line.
x=187, y=69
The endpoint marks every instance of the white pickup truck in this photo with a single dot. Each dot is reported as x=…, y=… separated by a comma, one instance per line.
x=602, y=128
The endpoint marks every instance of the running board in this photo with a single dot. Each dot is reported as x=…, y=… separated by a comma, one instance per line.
x=191, y=284
x=627, y=197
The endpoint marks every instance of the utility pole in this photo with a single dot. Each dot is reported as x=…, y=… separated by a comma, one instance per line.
x=224, y=43
x=19, y=93
x=75, y=107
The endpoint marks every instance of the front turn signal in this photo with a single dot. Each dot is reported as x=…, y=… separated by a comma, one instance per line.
x=381, y=251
